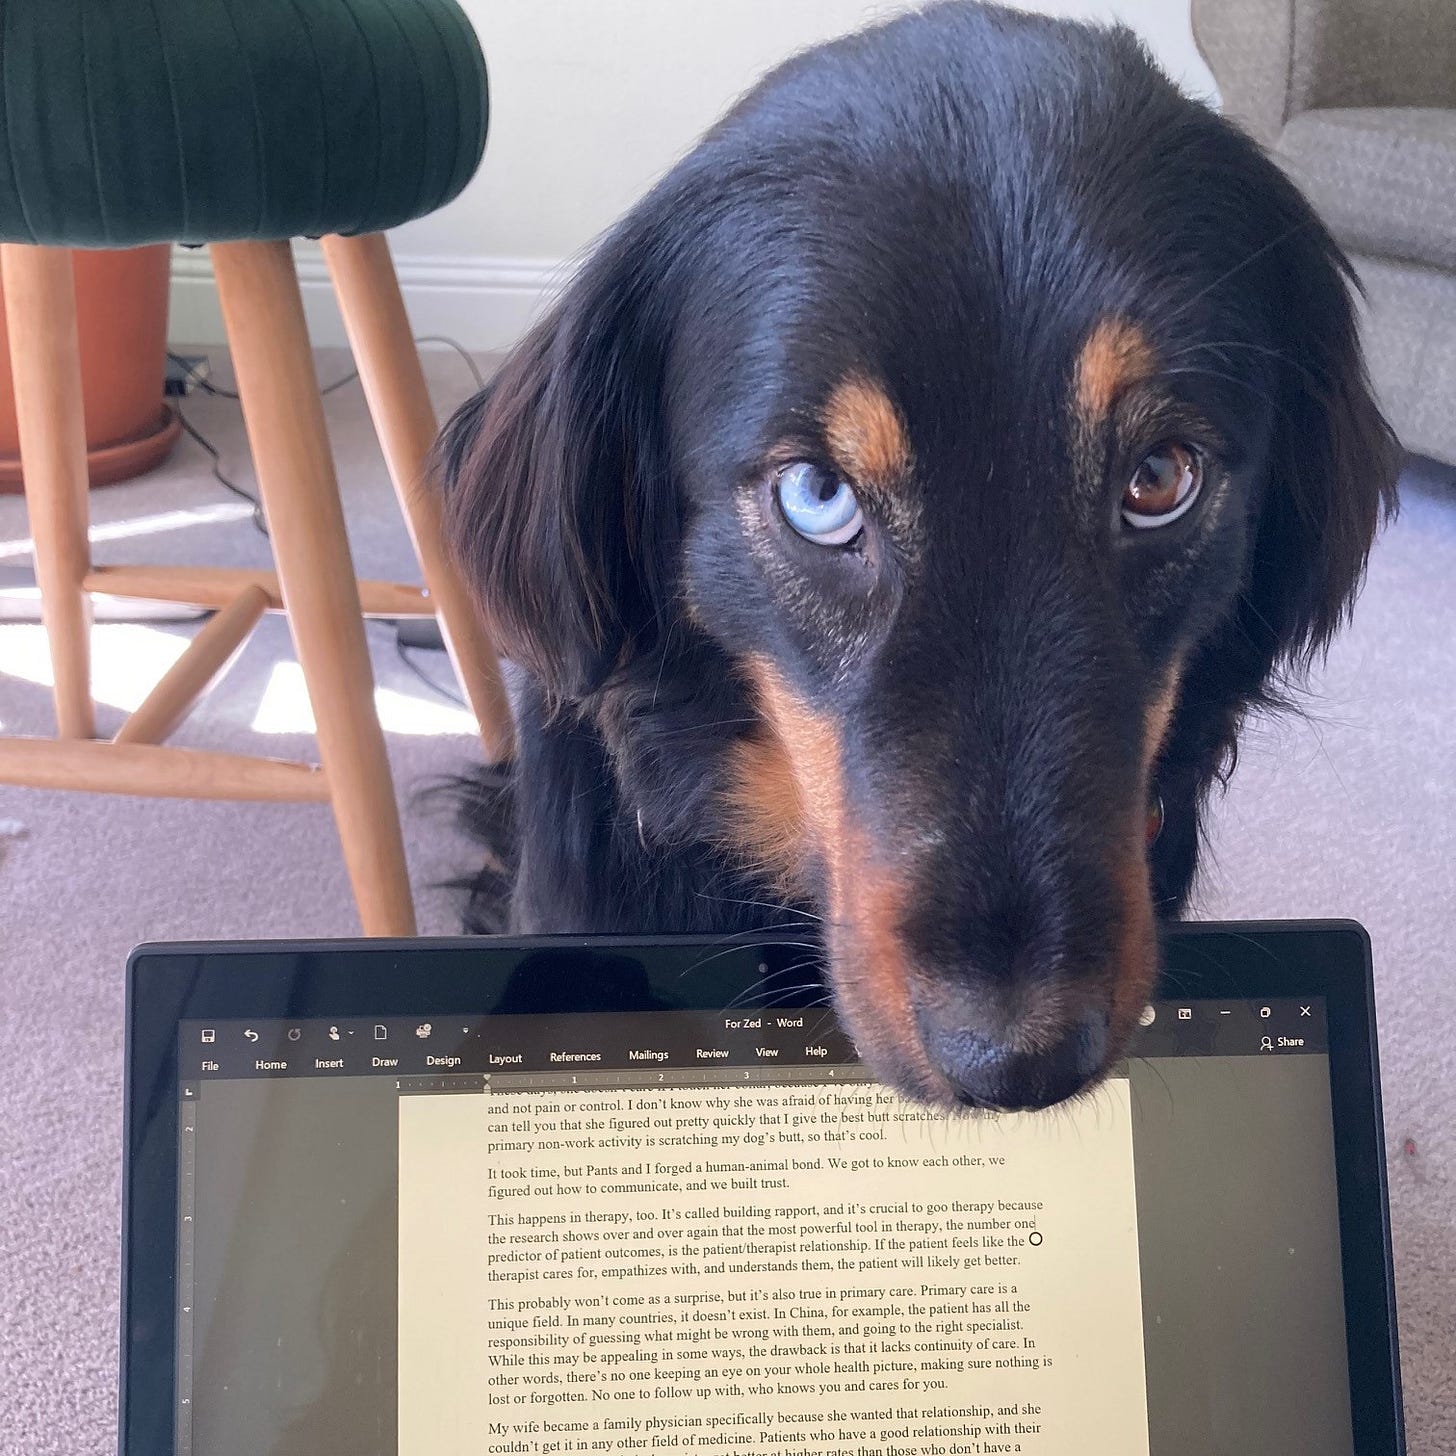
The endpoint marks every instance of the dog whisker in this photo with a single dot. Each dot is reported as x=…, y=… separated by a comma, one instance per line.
x=781, y=995
x=706, y=727
x=1288, y=234
x=808, y=915
x=744, y=940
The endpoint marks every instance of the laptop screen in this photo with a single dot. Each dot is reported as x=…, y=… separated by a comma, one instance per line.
x=674, y=1231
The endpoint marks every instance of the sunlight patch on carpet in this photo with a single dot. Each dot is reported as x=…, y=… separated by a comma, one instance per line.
x=126, y=659
x=145, y=525
x=284, y=708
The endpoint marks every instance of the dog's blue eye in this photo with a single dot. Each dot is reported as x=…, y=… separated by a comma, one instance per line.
x=819, y=507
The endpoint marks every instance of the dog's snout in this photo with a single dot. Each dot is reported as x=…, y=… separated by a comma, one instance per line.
x=1046, y=1052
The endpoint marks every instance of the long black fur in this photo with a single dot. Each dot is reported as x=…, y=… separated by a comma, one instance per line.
x=947, y=203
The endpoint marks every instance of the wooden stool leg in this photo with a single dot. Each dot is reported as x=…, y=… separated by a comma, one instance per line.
x=45, y=363
x=394, y=385
x=263, y=312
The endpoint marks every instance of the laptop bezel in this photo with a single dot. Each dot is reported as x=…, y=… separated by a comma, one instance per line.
x=167, y=983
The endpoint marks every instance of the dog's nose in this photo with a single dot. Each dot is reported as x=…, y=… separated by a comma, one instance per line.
x=1035, y=1060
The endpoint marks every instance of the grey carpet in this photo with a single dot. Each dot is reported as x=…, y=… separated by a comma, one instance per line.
x=1351, y=813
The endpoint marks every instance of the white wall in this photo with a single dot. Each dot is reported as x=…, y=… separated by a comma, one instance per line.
x=591, y=100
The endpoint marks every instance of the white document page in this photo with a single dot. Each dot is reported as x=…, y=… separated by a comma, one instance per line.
x=816, y=1265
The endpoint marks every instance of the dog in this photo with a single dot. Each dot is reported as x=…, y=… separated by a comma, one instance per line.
x=894, y=522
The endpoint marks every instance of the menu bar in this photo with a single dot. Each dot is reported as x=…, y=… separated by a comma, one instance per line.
x=646, y=1046
x=513, y=1044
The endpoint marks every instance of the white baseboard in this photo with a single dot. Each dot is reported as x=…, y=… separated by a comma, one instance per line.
x=486, y=304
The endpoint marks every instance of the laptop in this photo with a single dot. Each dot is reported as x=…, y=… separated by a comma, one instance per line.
x=539, y=1197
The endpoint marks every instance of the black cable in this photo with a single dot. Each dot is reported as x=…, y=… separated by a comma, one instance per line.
x=439, y=689
x=200, y=380
x=258, y=522
x=403, y=653
x=460, y=349
x=218, y=392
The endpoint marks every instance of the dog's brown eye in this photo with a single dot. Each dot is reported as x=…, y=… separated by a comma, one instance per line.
x=1163, y=487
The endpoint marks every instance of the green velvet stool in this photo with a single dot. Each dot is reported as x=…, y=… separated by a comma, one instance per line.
x=240, y=124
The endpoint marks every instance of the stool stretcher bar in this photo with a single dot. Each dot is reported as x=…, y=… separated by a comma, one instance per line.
x=208, y=657
x=151, y=772
x=216, y=586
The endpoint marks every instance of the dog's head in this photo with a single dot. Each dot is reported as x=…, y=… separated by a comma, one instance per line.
x=947, y=451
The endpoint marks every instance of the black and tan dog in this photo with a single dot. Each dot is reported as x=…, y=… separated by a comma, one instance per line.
x=915, y=489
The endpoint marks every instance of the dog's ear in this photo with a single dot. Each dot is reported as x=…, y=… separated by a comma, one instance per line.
x=558, y=501
x=1329, y=480
x=1333, y=459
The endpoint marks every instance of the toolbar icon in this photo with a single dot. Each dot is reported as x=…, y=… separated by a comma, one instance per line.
x=381, y=1033
x=209, y=1033
x=333, y=1033
x=1185, y=1013
x=1265, y=1012
x=423, y=1030
x=294, y=1033
x=1265, y=1044
x=250, y=1034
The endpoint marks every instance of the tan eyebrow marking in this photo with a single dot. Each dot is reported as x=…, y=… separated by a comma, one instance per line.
x=1117, y=354
x=865, y=433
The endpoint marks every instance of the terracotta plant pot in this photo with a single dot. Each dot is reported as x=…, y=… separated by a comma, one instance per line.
x=121, y=314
